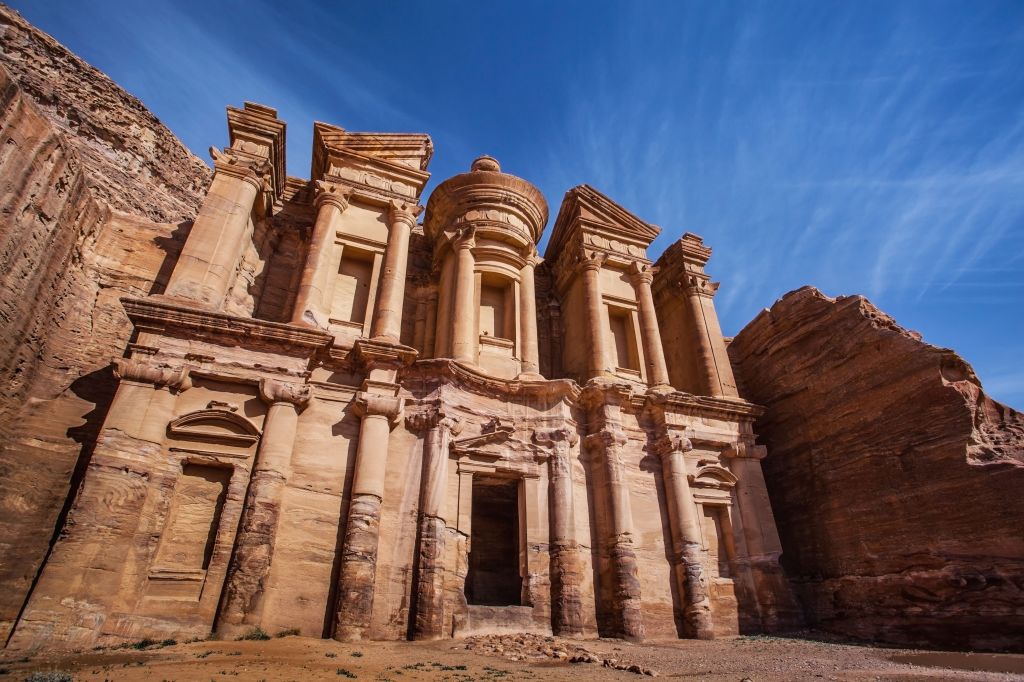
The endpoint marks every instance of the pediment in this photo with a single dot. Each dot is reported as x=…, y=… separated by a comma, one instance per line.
x=392, y=163
x=215, y=425
x=713, y=476
x=584, y=209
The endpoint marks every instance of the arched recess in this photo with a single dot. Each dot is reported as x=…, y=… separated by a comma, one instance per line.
x=215, y=425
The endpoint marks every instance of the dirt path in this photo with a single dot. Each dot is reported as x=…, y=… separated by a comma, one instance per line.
x=512, y=657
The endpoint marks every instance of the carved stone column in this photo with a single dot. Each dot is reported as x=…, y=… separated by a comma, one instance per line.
x=566, y=567
x=605, y=447
x=387, y=322
x=657, y=371
x=313, y=300
x=528, y=318
x=362, y=530
x=430, y=324
x=206, y=268
x=433, y=523
x=713, y=360
x=591, y=264
x=465, y=336
x=244, y=592
x=687, y=554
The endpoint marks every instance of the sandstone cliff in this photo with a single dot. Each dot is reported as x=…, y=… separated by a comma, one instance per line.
x=95, y=201
x=896, y=482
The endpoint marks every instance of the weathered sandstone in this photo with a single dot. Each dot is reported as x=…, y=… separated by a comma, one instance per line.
x=95, y=201
x=897, y=483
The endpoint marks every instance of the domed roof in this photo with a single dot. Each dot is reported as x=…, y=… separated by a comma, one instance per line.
x=486, y=197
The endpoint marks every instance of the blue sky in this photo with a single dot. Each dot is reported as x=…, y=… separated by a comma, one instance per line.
x=862, y=147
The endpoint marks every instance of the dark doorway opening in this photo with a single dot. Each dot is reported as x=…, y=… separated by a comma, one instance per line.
x=493, y=578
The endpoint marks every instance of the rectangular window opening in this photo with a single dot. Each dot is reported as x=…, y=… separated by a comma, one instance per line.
x=191, y=529
x=717, y=538
x=352, y=286
x=493, y=578
x=623, y=339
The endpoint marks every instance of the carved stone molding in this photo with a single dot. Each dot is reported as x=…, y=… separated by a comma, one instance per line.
x=640, y=273
x=700, y=285
x=403, y=211
x=277, y=391
x=333, y=194
x=255, y=171
x=552, y=438
x=745, y=451
x=425, y=420
x=670, y=443
x=150, y=372
x=375, y=405
x=605, y=439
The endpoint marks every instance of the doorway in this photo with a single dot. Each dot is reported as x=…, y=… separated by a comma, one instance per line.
x=493, y=578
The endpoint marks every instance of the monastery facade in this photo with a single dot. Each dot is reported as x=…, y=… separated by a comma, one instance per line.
x=343, y=419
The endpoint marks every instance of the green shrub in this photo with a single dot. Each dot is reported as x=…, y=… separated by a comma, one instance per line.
x=256, y=634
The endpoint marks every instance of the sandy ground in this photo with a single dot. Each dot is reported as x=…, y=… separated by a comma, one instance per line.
x=490, y=658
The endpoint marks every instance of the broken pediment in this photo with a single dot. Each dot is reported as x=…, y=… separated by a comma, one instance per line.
x=388, y=164
x=215, y=425
x=591, y=218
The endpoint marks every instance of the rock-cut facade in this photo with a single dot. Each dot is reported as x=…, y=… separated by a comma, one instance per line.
x=359, y=417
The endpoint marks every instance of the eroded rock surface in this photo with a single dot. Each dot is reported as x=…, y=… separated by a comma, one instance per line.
x=896, y=482
x=96, y=197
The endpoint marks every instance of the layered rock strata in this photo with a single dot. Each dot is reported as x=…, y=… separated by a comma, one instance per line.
x=95, y=203
x=895, y=480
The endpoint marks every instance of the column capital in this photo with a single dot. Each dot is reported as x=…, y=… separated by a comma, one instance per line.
x=277, y=391
x=376, y=405
x=589, y=260
x=434, y=418
x=694, y=284
x=403, y=212
x=333, y=194
x=745, y=451
x=671, y=443
x=606, y=439
x=255, y=171
x=464, y=238
x=150, y=372
x=552, y=438
x=640, y=274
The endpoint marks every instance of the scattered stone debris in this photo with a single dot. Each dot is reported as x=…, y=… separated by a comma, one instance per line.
x=524, y=646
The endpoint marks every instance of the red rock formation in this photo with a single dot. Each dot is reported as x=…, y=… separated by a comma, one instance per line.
x=896, y=482
x=95, y=199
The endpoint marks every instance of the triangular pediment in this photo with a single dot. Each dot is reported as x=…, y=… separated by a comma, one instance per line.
x=584, y=209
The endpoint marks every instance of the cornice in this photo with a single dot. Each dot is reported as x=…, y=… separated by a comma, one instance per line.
x=172, y=318
x=608, y=221
x=472, y=379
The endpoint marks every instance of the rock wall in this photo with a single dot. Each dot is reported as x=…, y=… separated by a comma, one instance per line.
x=96, y=197
x=896, y=482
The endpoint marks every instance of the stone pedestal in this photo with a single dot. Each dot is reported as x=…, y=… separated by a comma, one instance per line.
x=362, y=529
x=245, y=589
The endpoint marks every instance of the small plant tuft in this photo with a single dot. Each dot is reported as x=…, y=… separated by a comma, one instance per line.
x=143, y=644
x=357, y=654
x=345, y=673
x=256, y=634
x=290, y=632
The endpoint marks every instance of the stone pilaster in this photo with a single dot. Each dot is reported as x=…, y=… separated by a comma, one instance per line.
x=387, y=321
x=354, y=607
x=640, y=277
x=206, y=267
x=528, y=319
x=775, y=598
x=707, y=340
x=604, y=444
x=429, y=618
x=465, y=335
x=597, y=360
x=246, y=584
x=566, y=566
x=313, y=300
x=687, y=553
